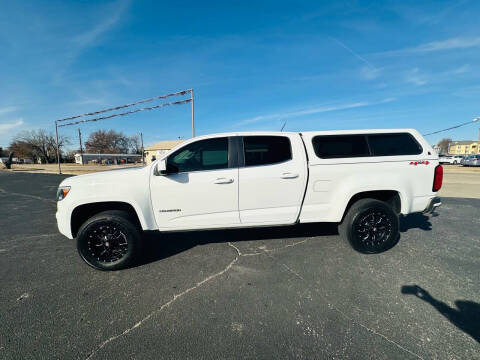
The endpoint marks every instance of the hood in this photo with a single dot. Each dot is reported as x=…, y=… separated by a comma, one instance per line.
x=101, y=177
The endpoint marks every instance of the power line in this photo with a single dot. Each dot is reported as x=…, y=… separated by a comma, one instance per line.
x=178, y=93
x=183, y=92
x=127, y=113
x=453, y=127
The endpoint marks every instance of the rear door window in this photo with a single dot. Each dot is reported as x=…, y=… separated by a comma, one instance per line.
x=266, y=150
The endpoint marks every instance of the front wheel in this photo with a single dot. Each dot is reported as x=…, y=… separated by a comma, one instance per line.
x=109, y=240
x=371, y=226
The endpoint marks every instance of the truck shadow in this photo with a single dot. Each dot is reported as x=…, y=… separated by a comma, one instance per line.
x=466, y=315
x=160, y=246
x=415, y=221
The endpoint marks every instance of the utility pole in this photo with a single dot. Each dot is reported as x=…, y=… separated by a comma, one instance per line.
x=193, y=116
x=80, y=139
x=58, y=148
x=143, y=151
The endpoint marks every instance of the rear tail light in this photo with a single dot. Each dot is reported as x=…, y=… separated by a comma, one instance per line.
x=438, y=178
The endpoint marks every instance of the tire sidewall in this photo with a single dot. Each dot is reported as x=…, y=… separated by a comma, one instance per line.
x=359, y=209
x=131, y=232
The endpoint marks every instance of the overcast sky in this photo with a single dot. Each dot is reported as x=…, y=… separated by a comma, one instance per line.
x=254, y=65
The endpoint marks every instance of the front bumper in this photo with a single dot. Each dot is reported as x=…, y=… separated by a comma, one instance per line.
x=432, y=205
x=63, y=221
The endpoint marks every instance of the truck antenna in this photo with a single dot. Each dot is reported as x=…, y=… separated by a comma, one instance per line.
x=283, y=126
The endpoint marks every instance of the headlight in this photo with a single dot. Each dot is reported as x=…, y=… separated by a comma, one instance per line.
x=62, y=192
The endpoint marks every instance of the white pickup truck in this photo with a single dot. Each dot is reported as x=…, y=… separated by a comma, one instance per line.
x=362, y=179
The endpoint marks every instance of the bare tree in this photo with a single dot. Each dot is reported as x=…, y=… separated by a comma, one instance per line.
x=443, y=145
x=37, y=144
x=135, y=144
x=22, y=149
x=107, y=142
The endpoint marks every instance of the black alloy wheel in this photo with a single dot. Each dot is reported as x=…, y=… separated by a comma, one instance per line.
x=371, y=226
x=109, y=240
x=372, y=229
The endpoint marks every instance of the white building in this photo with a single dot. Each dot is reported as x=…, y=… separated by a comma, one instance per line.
x=155, y=151
x=107, y=158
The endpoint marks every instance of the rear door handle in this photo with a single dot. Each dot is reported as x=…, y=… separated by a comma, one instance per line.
x=223, y=181
x=288, y=175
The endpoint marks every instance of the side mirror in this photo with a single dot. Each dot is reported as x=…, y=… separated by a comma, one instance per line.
x=161, y=167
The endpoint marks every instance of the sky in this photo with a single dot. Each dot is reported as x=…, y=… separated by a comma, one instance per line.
x=308, y=65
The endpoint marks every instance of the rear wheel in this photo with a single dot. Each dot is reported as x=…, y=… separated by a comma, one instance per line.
x=371, y=226
x=109, y=240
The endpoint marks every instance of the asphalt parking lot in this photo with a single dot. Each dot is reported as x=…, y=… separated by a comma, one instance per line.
x=297, y=292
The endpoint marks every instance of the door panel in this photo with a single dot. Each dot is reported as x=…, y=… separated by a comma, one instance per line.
x=266, y=196
x=200, y=189
x=198, y=199
x=272, y=193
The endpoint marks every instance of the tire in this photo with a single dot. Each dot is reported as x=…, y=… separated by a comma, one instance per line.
x=455, y=162
x=118, y=245
x=370, y=226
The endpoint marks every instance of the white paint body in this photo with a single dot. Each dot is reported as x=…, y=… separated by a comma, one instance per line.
x=303, y=189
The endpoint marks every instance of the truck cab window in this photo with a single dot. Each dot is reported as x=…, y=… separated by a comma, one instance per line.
x=265, y=150
x=210, y=154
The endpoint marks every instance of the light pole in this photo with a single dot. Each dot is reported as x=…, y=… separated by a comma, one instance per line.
x=475, y=119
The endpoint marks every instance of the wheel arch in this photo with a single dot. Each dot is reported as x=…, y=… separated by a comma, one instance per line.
x=83, y=212
x=392, y=197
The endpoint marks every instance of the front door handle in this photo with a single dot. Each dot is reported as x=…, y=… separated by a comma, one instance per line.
x=223, y=181
x=288, y=175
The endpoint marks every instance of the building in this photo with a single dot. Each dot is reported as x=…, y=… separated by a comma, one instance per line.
x=16, y=160
x=108, y=158
x=464, y=147
x=154, y=151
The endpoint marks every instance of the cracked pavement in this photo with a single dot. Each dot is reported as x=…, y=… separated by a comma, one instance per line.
x=290, y=292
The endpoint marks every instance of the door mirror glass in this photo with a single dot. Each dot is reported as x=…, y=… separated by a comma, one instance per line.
x=162, y=167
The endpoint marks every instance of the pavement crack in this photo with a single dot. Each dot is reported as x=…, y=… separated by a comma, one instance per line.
x=26, y=195
x=164, y=306
x=269, y=250
x=333, y=307
x=239, y=253
x=376, y=333
x=15, y=239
